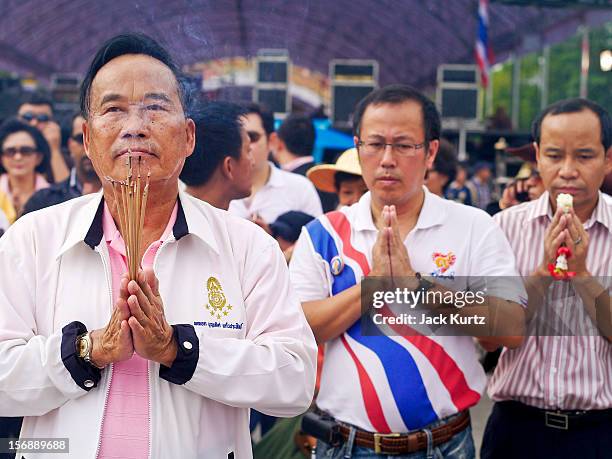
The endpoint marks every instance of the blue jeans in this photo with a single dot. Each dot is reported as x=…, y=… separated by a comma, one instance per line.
x=461, y=446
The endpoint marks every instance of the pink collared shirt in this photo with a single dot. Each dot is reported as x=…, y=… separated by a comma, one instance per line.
x=558, y=372
x=125, y=424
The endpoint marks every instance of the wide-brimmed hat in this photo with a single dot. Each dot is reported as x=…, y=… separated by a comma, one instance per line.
x=323, y=175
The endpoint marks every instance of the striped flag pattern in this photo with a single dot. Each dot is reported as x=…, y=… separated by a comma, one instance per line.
x=484, y=54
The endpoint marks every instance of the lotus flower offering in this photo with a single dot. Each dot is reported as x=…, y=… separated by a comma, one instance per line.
x=565, y=202
x=131, y=198
x=560, y=270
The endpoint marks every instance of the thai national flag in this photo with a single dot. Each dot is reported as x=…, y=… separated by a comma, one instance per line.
x=484, y=54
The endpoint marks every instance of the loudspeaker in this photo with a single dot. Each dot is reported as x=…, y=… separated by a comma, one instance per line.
x=351, y=80
x=272, y=85
x=458, y=91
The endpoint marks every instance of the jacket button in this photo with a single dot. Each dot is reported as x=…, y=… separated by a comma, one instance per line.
x=187, y=345
x=88, y=383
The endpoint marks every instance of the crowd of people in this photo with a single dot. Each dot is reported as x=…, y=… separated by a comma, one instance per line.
x=248, y=303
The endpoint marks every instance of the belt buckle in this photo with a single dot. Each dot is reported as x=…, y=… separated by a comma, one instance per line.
x=378, y=438
x=556, y=420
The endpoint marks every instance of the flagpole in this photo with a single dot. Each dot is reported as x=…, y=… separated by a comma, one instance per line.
x=584, y=63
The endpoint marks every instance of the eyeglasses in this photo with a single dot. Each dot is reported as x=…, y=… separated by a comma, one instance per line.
x=402, y=149
x=254, y=136
x=29, y=116
x=77, y=138
x=24, y=151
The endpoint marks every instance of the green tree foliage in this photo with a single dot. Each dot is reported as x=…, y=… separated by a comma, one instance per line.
x=563, y=76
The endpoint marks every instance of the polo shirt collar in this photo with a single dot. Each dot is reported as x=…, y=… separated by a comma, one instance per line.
x=87, y=223
x=602, y=213
x=432, y=213
x=540, y=208
x=275, y=180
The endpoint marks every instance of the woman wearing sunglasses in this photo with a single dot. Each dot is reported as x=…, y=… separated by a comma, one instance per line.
x=24, y=164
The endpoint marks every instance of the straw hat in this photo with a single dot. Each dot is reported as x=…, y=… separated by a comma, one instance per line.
x=323, y=175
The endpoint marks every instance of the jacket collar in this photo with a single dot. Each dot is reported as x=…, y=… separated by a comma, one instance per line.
x=87, y=223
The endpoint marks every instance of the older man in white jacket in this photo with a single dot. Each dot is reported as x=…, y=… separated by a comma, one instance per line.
x=169, y=364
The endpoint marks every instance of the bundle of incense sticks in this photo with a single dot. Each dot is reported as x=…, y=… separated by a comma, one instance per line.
x=131, y=199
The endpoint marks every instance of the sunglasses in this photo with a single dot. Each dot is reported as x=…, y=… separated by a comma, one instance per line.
x=24, y=151
x=77, y=138
x=41, y=118
x=254, y=136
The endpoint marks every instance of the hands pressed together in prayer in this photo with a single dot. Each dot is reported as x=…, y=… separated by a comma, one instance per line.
x=137, y=324
x=389, y=254
x=567, y=229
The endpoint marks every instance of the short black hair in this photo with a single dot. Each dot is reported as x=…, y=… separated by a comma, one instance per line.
x=341, y=177
x=298, y=133
x=397, y=94
x=446, y=161
x=218, y=135
x=14, y=125
x=131, y=43
x=267, y=117
x=36, y=98
x=575, y=105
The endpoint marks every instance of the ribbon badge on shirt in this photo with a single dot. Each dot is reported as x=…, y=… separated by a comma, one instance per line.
x=217, y=303
x=443, y=262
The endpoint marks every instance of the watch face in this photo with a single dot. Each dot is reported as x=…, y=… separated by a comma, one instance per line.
x=82, y=347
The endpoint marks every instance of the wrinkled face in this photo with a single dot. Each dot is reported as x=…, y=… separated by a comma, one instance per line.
x=243, y=168
x=259, y=140
x=135, y=110
x=350, y=191
x=571, y=158
x=35, y=115
x=19, y=155
x=391, y=178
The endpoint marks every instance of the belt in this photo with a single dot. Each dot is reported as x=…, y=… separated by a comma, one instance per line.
x=396, y=443
x=557, y=419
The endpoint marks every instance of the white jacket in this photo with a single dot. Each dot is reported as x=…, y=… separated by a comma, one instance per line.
x=50, y=277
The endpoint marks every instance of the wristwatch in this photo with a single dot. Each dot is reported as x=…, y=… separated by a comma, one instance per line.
x=84, y=347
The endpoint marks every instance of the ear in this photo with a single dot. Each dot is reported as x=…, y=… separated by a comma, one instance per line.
x=227, y=168
x=608, y=161
x=275, y=142
x=86, y=138
x=432, y=152
x=537, y=151
x=190, y=132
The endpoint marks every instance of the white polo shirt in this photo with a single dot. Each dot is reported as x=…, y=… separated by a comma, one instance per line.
x=395, y=383
x=284, y=191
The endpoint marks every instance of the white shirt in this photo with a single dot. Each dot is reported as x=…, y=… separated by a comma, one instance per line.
x=418, y=379
x=55, y=270
x=4, y=223
x=284, y=191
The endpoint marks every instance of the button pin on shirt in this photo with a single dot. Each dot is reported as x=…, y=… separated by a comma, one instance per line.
x=187, y=345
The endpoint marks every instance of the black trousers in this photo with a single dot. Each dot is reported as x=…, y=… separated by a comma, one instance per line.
x=511, y=433
x=9, y=428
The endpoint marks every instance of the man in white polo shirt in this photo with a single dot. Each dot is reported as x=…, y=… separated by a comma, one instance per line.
x=275, y=191
x=417, y=387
